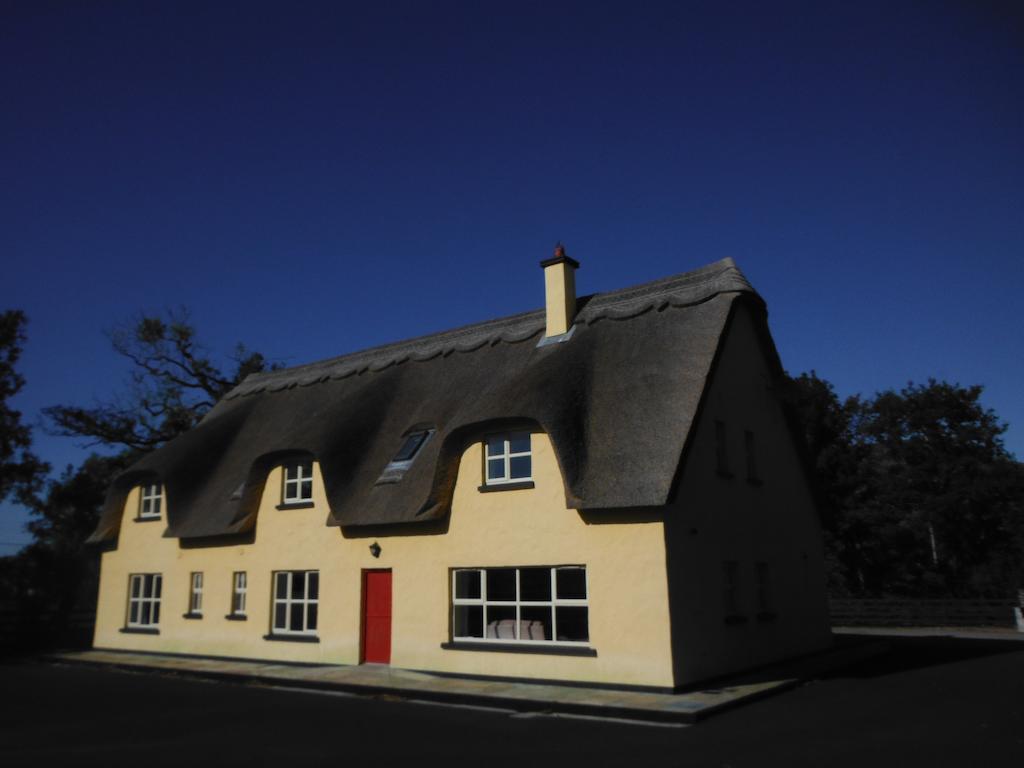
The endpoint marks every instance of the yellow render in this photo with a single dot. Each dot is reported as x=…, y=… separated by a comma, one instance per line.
x=625, y=561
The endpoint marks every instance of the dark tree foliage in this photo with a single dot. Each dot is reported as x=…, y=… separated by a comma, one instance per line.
x=55, y=577
x=829, y=428
x=918, y=495
x=68, y=512
x=21, y=471
x=173, y=383
x=945, y=483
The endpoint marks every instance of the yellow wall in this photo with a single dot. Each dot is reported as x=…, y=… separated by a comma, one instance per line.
x=629, y=624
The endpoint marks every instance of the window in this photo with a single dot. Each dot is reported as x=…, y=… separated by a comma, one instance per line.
x=721, y=449
x=508, y=458
x=144, y=599
x=238, y=589
x=520, y=605
x=296, y=602
x=150, y=500
x=298, y=483
x=748, y=439
x=411, y=445
x=195, y=601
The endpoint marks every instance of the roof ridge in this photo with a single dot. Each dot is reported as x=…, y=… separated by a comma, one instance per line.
x=450, y=333
x=681, y=289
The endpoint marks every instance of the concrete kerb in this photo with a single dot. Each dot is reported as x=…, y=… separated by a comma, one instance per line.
x=685, y=707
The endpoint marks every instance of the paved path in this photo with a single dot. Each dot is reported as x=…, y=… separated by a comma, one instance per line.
x=929, y=702
x=686, y=707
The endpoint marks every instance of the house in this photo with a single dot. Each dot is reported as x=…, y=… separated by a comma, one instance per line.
x=605, y=491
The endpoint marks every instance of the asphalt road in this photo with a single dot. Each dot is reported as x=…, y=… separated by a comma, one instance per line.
x=929, y=702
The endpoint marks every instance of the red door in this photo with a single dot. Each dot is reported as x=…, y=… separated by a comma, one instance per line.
x=377, y=617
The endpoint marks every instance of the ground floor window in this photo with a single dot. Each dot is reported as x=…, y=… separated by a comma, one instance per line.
x=144, y=599
x=195, y=602
x=296, y=602
x=239, y=588
x=527, y=605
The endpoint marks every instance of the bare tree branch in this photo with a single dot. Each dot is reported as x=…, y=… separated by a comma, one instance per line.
x=173, y=383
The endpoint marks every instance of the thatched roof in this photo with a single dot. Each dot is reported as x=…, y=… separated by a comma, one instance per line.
x=617, y=400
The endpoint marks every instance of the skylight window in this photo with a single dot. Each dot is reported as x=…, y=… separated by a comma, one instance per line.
x=411, y=445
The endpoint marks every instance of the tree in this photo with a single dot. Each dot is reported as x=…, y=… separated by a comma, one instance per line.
x=173, y=383
x=918, y=495
x=21, y=471
x=56, y=574
x=836, y=457
x=941, y=470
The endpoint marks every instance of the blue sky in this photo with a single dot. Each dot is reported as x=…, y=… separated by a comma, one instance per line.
x=312, y=179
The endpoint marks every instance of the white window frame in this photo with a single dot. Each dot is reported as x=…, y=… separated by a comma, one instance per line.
x=554, y=603
x=292, y=604
x=239, y=591
x=507, y=454
x=151, y=497
x=295, y=474
x=195, y=600
x=137, y=601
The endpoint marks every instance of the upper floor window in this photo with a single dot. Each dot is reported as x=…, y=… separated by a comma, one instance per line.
x=412, y=443
x=508, y=458
x=150, y=500
x=298, y=482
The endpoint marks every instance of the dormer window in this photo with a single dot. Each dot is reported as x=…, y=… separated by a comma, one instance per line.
x=411, y=445
x=508, y=459
x=298, y=483
x=150, y=500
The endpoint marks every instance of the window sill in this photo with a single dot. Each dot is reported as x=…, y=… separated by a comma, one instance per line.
x=544, y=648
x=296, y=505
x=140, y=631
x=518, y=486
x=293, y=638
x=153, y=519
x=766, y=616
x=736, y=618
x=191, y=615
x=236, y=617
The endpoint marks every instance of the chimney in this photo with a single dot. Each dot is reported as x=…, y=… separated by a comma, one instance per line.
x=560, y=291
